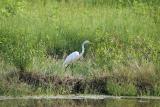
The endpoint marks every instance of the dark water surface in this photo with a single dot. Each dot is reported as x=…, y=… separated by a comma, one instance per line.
x=79, y=103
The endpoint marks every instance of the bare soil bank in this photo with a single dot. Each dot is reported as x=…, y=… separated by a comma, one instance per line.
x=91, y=85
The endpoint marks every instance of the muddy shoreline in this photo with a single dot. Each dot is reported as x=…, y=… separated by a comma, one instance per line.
x=72, y=97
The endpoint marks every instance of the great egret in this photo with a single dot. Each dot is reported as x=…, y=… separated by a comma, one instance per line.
x=74, y=56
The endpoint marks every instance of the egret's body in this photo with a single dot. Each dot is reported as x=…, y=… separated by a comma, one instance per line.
x=74, y=56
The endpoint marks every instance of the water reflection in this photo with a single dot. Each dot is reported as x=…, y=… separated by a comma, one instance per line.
x=80, y=103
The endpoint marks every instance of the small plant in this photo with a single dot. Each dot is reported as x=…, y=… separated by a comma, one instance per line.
x=119, y=89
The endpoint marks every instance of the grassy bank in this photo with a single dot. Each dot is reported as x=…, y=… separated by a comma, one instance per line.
x=35, y=37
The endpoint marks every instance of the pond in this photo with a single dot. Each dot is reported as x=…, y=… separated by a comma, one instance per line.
x=107, y=102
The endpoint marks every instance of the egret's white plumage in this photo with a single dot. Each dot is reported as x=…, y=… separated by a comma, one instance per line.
x=74, y=56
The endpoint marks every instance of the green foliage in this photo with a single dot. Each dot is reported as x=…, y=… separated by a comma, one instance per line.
x=18, y=48
x=12, y=7
x=116, y=50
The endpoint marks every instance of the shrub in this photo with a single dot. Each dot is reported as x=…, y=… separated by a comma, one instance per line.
x=112, y=50
x=17, y=48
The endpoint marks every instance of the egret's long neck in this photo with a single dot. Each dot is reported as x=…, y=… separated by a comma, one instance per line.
x=82, y=49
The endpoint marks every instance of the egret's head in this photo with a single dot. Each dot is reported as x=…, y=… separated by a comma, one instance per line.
x=86, y=42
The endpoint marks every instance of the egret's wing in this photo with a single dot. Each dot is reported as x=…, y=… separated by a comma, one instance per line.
x=71, y=58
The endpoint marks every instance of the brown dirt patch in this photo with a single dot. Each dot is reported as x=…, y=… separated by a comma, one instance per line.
x=76, y=85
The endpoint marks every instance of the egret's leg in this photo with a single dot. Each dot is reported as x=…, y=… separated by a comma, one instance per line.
x=72, y=69
x=66, y=68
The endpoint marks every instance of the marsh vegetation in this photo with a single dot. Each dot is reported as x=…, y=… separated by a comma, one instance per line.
x=36, y=36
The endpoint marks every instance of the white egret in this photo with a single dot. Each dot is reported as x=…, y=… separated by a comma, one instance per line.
x=74, y=56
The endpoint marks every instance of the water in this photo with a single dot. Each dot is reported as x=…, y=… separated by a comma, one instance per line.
x=79, y=103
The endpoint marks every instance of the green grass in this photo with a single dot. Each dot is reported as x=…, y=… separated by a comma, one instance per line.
x=35, y=36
